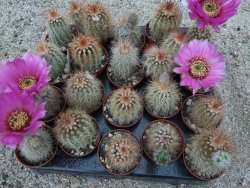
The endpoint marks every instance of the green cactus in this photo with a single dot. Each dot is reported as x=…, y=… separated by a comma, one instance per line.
x=38, y=147
x=84, y=91
x=87, y=54
x=60, y=31
x=77, y=132
x=123, y=107
x=97, y=21
x=77, y=15
x=162, y=157
x=200, y=34
x=166, y=19
x=55, y=58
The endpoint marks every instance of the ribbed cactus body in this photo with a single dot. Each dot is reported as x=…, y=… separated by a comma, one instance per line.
x=77, y=132
x=162, y=99
x=77, y=15
x=157, y=61
x=84, y=91
x=124, y=106
x=55, y=58
x=59, y=30
x=199, y=34
x=37, y=147
x=166, y=19
x=87, y=53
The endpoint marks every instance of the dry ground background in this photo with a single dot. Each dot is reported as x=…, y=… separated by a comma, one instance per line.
x=22, y=25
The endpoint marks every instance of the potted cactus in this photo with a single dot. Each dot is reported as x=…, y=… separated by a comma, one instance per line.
x=125, y=68
x=87, y=54
x=209, y=154
x=202, y=112
x=119, y=152
x=162, y=98
x=163, y=142
x=37, y=149
x=123, y=108
x=84, y=91
x=54, y=99
x=77, y=133
x=166, y=19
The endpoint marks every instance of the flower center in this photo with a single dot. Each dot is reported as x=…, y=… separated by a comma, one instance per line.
x=211, y=7
x=18, y=120
x=26, y=82
x=198, y=68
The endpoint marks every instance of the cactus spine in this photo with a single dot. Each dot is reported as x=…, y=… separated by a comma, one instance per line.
x=59, y=30
x=77, y=15
x=199, y=34
x=37, y=147
x=86, y=53
x=84, y=91
x=77, y=132
x=124, y=107
x=166, y=19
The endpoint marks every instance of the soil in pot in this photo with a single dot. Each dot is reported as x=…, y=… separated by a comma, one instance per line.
x=77, y=133
x=123, y=108
x=119, y=152
x=38, y=149
x=55, y=101
x=163, y=142
x=202, y=112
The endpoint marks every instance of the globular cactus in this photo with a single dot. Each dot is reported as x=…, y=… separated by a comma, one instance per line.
x=37, y=147
x=54, y=100
x=205, y=113
x=162, y=142
x=97, y=21
x=127, y=29
x=123, y=107
x=77, y=132
x=166, y=19
x=120, y=152
x=59, y=30
x=173, y=42
x=157, y=61
x=124, y=62
x=162, y=98
x=84, y=91
x=210, y=153
x=87, y=54
x=55, y=58
x=77, y=15
x=200, y=34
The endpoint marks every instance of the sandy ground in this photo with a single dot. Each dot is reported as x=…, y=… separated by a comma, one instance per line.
x=22, y=25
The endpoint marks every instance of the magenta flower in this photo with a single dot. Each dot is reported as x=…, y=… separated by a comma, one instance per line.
x=200, y=65
x=19, y=116
x=28, y=74
x=212, y=12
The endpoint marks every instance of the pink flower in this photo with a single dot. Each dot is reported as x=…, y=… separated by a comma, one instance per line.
x=212, y=12
x=28, y=74
x=19, y=116
x=200, y=65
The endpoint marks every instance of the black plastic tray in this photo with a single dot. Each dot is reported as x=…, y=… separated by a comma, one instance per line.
x=173, y=173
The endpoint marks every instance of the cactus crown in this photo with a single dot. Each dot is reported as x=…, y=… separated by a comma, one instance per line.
x=53, y=15
x=75, y=8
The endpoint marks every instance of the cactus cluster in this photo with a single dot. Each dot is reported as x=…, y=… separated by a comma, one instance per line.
x=84, y=91
x=55, y=58
x=157, y=61
x=173, y=42
x=204, y=112
x=162, y=142
x=166, y=19
x=200, y=34
x=38, y=147
x=162, y=98
x=54, y=99
x=77, y=15
x=77, y=132
x=123, y=107
x=60, y=31
x=120, y=152
x=97, y=21
x=210, y=153
x=87, y=53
